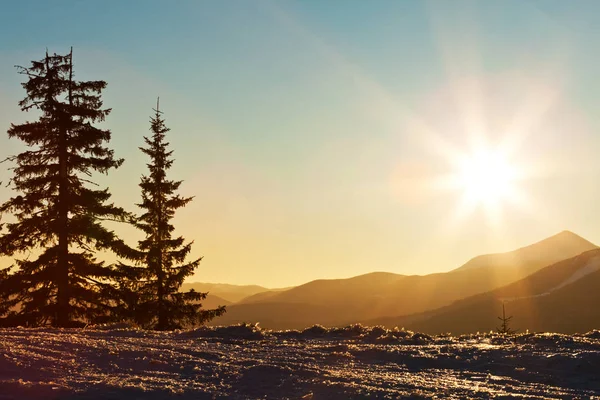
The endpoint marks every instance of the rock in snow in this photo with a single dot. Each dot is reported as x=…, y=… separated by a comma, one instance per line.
x=245, y=362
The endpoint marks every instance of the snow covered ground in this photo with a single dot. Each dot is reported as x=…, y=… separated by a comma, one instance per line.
x=243, y=362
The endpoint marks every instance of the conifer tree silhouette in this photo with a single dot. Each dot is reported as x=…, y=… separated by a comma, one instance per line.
x=56, y=278
x=150, y=290
x=505, y=328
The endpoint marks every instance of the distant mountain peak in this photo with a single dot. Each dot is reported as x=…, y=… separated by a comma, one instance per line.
x=565, y=233
x=563, y=238
x=560, y=246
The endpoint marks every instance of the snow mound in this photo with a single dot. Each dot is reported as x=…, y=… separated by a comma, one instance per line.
x=240, y=331
x=367, y=334
x=113, y=326
x=595, y=334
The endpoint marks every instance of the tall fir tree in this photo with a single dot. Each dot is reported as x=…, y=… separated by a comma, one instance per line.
x=57, y=208
x=151, y=289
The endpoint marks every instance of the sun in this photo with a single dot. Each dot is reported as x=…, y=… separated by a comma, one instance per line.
x=487, y=178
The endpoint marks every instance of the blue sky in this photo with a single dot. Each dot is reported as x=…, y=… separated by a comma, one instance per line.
x=299, y=125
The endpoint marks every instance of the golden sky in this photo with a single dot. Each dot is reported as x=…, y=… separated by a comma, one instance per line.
x=405, y=137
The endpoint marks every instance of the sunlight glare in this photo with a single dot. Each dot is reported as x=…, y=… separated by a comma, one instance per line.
x=486, y=178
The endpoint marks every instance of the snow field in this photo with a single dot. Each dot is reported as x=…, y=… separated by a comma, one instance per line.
x=245, y=362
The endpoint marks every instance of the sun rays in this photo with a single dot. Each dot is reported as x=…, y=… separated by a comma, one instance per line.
x=476, y=133
x=467, y=158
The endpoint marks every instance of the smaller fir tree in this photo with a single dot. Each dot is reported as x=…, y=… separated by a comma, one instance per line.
x=505, y=329
x=150, y=291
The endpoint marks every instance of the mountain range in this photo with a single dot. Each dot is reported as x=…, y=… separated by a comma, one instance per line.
x=562, y=297
x=465, y=299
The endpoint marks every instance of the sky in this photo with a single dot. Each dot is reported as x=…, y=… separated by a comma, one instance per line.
x=318, y=137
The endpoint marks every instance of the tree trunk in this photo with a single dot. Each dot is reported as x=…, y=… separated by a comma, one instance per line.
x=161, y=292
x=161, y=308
x=63, y=296
x=161, y=312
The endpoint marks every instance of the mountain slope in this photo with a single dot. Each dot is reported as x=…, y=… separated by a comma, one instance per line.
x=562, y=298
x=322, y=291
x=231, y=293
x=258, y=297
x=376, y=295
x=213, y=301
